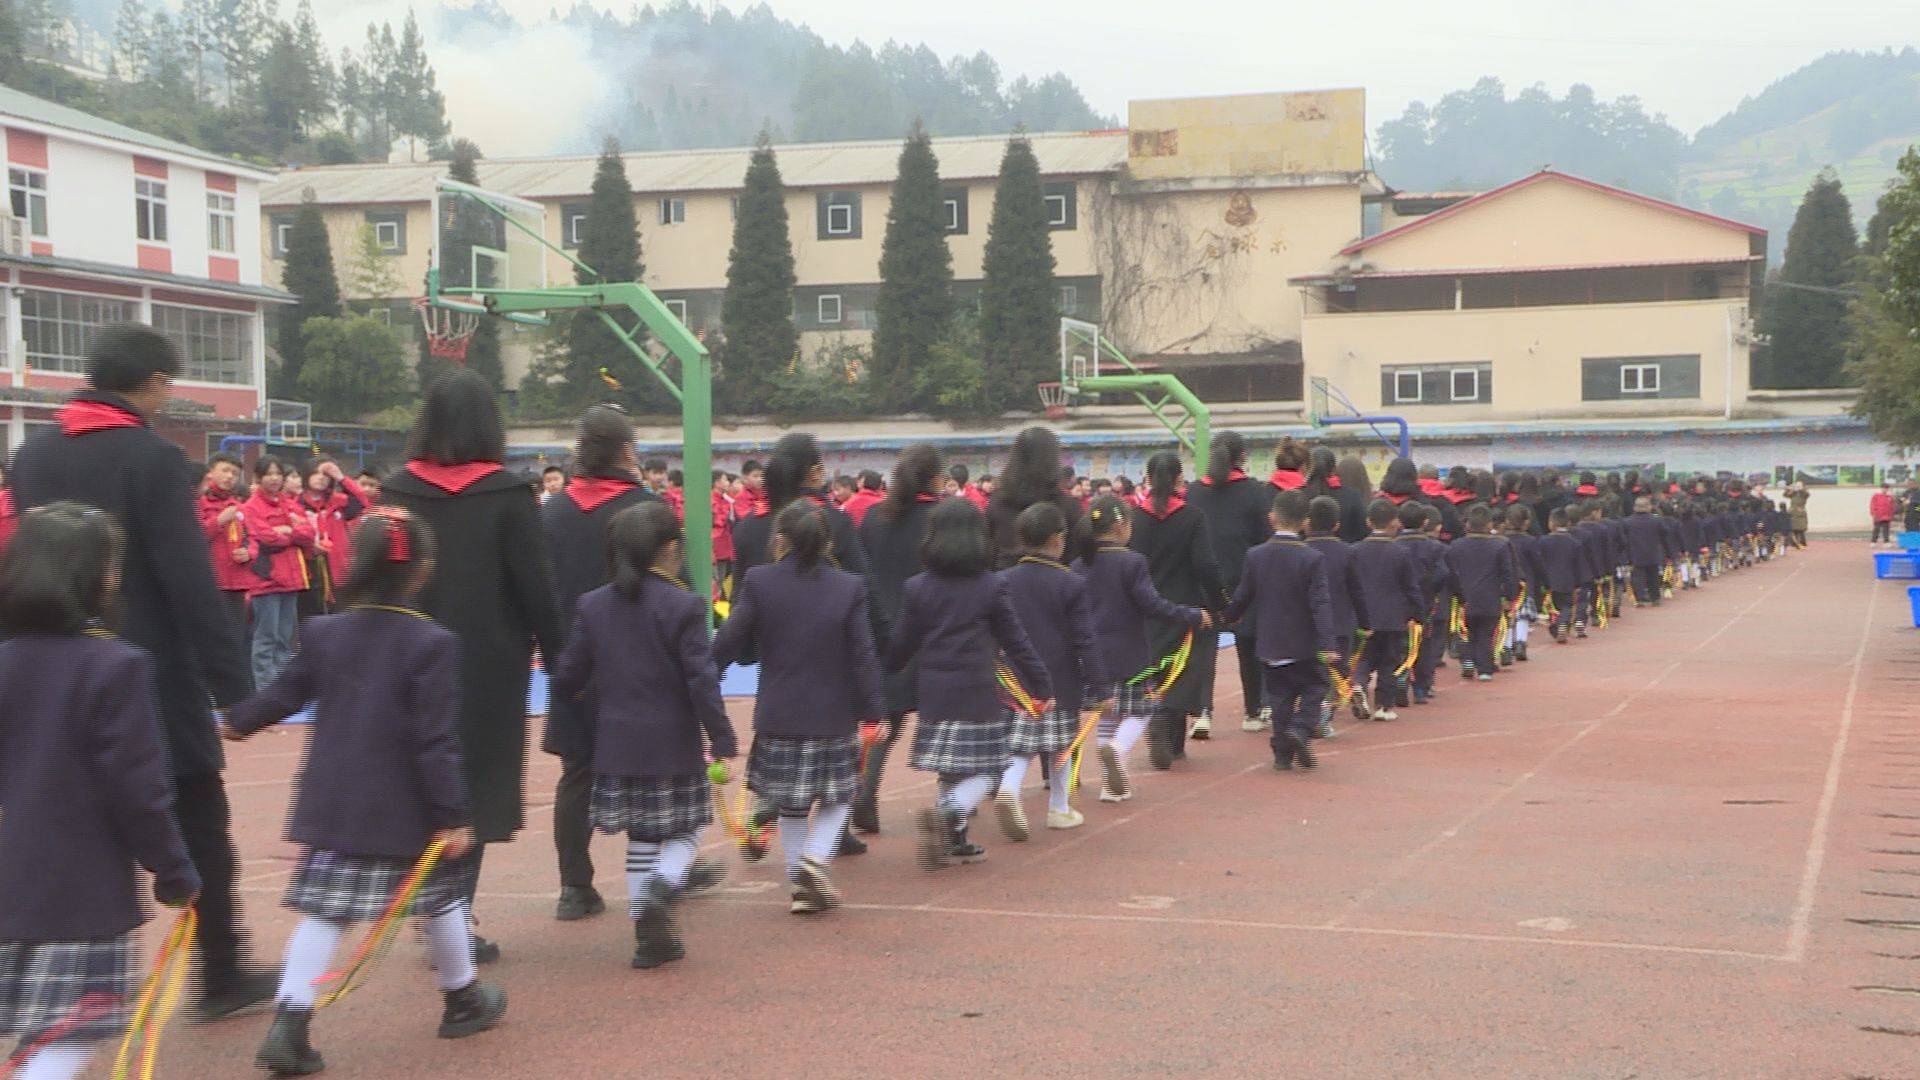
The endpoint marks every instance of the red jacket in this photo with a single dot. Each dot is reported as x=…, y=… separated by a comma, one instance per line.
x=748, y=505
x=329, y=521
x=9, y=518
x=974, y=495
x=281, y=555
x=722, y=527
x=862, y=501
x=230, y=575
x=1880, y=506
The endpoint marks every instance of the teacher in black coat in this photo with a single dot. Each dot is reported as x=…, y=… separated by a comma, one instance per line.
x=1236, y=506
x=606, y=481
x=1031, y=475
x=1179, y=550
x=493, y=587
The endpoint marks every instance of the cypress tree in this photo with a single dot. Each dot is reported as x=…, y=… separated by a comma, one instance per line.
x=309, y=276
x=757, y=313
x=915, y=305
x=610, y=244
x=1808, y=327
x=1019, y=318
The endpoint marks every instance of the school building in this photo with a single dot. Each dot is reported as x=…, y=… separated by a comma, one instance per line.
x=107, y=224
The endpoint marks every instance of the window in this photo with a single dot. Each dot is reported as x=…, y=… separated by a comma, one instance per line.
x=1465, y=384
x=829, y=309
x=838, y=214
x=1062, y=212
x=217, y=345
x=1406, y=387
x=58, y=327
x=282, y=229
x=953, y=215
x=1069, y=298
x=220, y=217
x=150, y=209
x=673, y=211
x=387, y=233
x=576, y=226
x=679, y=309
x=389, y=230
x=1639, y=378
x=953, y=205
x=28, y=188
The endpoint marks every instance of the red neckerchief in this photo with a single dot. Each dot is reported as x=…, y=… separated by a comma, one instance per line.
x=453, y=479
x=928, y=497
x=87, y=417
x=1232, y=475
x=1457, y=497
x=1287, y=479
x=1332, y=482
x=1431, y=486
x=1512, y=498
x=590, y=493
x=1173, y=504
x=1394, y=499
x=1586, y=489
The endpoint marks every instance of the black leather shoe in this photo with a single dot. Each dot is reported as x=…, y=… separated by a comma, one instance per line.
x=286, y=1050
x=472, y=1010
x=231, y=994
x=578, y=902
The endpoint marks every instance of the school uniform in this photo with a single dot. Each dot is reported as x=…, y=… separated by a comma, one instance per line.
x=1054, y=609
x=1236, y=514
x=331, y=554
x=1482, y=574
x=1594, y=548
x=1391, y=599
x=280, y=576
x=1179, y=550
x=233, y=577
x=1284, y=588
x=1346, y=602
x=1646, y=550
x=891, y=534
x=753, y=537
x=1123, y=600
x=83, y=778
x=862, y=501
x=1562, y=575
x=1526, y=589
x=1429, y=561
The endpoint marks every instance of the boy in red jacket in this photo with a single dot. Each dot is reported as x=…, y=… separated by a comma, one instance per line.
x=1880, y=509
x=229, y=547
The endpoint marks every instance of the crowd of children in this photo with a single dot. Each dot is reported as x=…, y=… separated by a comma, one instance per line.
x=1046, y=619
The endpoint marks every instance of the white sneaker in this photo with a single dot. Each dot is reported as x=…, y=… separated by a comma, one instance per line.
x=1115, y=785
x=1202, y=728
x=1258, y=723
x=1072, y=819
x=1385, y=715
x=1013, y=817
x=1108, y=796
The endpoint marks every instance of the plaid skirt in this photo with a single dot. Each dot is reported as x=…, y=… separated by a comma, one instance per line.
x=960, y=747
x=653, y=809
x=43, y=985
x=792, y=773
x=1049, y=733
x=1129, y=702
x=359, y=888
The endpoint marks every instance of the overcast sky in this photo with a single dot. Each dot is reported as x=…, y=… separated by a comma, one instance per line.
x=1690, y=59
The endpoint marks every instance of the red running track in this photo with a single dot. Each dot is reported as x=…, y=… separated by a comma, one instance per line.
x=1689, y=846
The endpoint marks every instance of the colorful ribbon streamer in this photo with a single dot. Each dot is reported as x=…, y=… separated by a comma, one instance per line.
x=1174, y=664
x=1016, y=695
x=159, y=999
x=381, y=936
x=1413, y=648
x=1072, y=755
x=1342, y=684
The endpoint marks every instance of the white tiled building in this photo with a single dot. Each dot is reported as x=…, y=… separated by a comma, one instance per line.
x=107, y=224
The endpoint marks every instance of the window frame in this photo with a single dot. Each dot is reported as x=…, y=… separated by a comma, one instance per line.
x=1069, y=298
x=150, y=210
x=20, y=183
x=1053, y=221
x=846, y=229
x=380, y=228
x=673, y=210
x=223, y=220
x=1642, y=387
x=71, y=362
x=1453, y=386
x=1399, y=397
x=677, y=307
x=820, y=309
x=201, y=324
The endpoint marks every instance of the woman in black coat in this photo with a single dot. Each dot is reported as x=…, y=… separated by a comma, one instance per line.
x=1179, y=550
x=795, y=471
x=1032, y=475
x=493, y=587
x=1235, y=506
x=892, y=535
x=606, y=481
x=1324, y=478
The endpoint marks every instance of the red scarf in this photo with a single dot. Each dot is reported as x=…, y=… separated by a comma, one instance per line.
x=1287, y=480
x=590, y=493
x=453, y=479
x=87, y=417
x=1586, y=489
x=1333, y=481
x=1392, y=498
x=1431, y=486
x=1232, y=476
x=1175, y=503
x=1457, y=497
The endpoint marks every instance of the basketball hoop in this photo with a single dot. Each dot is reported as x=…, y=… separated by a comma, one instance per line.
x=1053, y=400
x=449, y=331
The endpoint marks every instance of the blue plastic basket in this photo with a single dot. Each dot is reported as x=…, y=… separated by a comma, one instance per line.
x=1895, y=564
x=1908, y=541
x=1913, y=601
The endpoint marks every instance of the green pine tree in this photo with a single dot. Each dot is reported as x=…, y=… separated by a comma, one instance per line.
x=353, y=367
x=309, y=276
x=915, y=305
x=1885, y=325
x=1807, y=326
x=610, y=244
x=756, y=315
x=1019, y=317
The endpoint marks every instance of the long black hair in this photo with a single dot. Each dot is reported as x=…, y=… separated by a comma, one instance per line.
x=1401, y=478
x=1032, y=471
x=1353, y=476
x=1163, y=479
x=54, y=575
x=790, y=467
x=1229, y=453
x=914, y=475
x=802, y=528
x=1321, y=465
x=956, y=542
x=604, y=439
x=459, y=422
x=635, y=538
x=389, y=546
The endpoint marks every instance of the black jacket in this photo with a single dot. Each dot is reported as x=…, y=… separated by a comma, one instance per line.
x=1179, y=551
x=893, y=550
x=168, y=603
x=1236, y=514
x=956, y=626
x=577, y=540
x=1346, y=603
x=1284, y=591
x=1389, y=576
x=1057, y=615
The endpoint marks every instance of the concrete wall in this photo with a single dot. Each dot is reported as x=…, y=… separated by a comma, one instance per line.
x=1316, y=131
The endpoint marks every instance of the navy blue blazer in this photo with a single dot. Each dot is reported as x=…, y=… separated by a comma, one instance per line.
x=1562, y=563
x=650, y=665
x=819, y=676
x=1482, y=573
x=1389, y=576
x=953, y=624
x=1284, y=586
x=84, y=793
x=1347, y=603
x=1526, y=557
x=1429, y=564
x=1057, y=615
x=1670, y=532
x=383, y=768
x=1121, y=590
x=1594, y=547
x=1646, y=541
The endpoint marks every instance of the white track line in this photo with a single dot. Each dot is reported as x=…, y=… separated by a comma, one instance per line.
x=1799, y=929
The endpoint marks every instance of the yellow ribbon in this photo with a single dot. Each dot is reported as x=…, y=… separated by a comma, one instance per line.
x=159, y=999
x=380, y=937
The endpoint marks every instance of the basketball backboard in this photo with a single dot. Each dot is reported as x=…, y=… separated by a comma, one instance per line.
x=1080, y=347
x=485, y=240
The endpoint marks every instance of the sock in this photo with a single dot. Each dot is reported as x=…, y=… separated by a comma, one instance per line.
x=823, y=839
x=641, y=857
x=63, y=1060
x=1062, y=784
x=309, y=954
x=450, y=947
x=970, y=792
x=1129, y=734
x=793, y=841
x=676, y=859
x=1015, y=775
x=1520, y=628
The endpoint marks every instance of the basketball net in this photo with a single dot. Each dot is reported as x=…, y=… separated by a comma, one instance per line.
x=449, y=332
